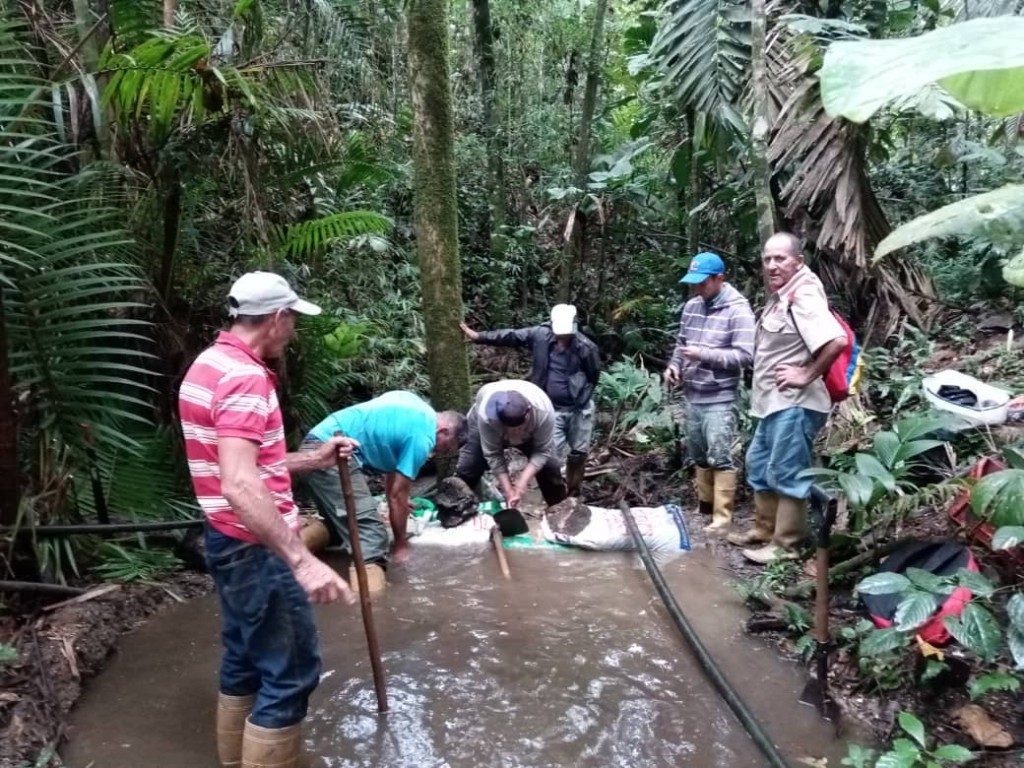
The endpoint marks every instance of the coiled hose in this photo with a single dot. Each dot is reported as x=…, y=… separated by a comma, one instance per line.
x=721, y=683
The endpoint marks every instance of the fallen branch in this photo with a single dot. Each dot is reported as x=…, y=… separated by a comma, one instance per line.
x=807, y=588
x=92, y=594
x=38, y=588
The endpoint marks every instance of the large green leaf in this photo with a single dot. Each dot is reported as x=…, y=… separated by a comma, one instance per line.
x=885, y=583
x=996, y=215
x=995, y=681
x=912, y=726
x=880, y=641
x=1015, y=611
x=1000, y=497
x=977, y=629
x=914, y=610
x=1008, y=537
x=980, y=62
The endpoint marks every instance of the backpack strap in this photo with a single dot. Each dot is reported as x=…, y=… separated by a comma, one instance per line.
x=789, y=310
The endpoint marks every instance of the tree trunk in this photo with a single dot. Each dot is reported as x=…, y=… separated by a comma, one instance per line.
x=692, y=189
x=170, y=9
x=93, y=33
x=496, y=219
x=581, y=159
x=760, y=124
x=10, y=488
x=435, y=215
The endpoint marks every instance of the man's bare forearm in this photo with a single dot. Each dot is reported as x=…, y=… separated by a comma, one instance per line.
x=255, y=508
x=826, y=356
x=301, y=461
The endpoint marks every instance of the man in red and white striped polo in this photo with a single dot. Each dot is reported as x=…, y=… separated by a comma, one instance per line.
x=265, y=576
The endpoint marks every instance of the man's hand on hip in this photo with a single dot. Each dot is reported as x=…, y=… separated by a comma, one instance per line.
x=792, y=377
x=321, y=583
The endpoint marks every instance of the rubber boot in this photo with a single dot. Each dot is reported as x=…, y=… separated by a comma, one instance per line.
x=725, y=498
x=705, y=479
x=766, y=505
x=376, y=579
x=790, y=524
x=232, y=712
x=271, y=747
x=575, y=465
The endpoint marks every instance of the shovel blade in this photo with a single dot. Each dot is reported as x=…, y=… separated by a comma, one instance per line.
x=815, y=696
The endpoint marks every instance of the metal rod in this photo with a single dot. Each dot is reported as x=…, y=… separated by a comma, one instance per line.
x=499, y=549
x=364, y=590
x=711, y=668
x=96, y=529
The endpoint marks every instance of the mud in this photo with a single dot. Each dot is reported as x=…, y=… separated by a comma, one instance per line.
x=574, y=662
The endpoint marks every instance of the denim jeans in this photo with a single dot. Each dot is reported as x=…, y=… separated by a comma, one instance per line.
x=710, y=434
x=270, y=640
x=782, y=448
x=574, y=429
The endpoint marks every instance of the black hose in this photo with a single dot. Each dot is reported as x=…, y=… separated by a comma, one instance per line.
x=725, y=689
x=78, y=530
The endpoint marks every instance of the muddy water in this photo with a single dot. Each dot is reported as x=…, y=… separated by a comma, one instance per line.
x=572, y=663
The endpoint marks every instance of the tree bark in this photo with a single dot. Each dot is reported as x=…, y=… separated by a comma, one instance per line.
x=170, y=9
x=93, y=33
x=581, y=159
x=692, y=188
x=496, y=217
x=760, y=124
x=10, y=478
x=435, y=215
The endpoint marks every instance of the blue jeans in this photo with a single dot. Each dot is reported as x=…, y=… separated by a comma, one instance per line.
x=782, y=448
x=270, y=639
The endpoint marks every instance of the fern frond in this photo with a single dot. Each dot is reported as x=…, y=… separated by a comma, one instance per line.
x=297, y=240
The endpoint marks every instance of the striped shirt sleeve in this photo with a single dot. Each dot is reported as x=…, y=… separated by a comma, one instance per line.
x=242, y=403
x=739, y=353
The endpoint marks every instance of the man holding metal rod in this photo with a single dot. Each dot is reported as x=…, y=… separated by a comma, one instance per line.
x=265, y=576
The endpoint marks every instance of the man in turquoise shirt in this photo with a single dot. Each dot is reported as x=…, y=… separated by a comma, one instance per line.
x=397, y=432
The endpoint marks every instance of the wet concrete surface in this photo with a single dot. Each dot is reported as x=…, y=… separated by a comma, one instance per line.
x=574, y=662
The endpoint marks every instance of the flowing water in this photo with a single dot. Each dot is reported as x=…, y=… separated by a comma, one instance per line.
x=572, y=663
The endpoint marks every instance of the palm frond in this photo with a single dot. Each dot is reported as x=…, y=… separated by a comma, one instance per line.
x=703, y=51
x=314, y=236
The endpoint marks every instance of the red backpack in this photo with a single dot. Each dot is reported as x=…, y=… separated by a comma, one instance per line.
x=842, y=379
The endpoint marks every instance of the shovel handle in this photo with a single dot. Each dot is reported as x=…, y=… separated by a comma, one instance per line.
x=364, y=590
x=499, y=549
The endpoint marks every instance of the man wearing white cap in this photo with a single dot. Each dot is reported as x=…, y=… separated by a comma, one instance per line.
x=566, y=365
x=264, y=575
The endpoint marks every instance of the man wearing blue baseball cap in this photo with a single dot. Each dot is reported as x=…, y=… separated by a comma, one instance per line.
x=714, y=345
x=512, y=413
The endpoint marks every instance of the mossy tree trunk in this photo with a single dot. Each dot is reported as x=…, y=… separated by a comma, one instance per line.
x=483, y=37
x=435, y=215
x=760, y=124
x=574, y=247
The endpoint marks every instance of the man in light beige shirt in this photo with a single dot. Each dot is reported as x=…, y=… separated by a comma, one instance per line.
x=797, y=340
x=512, y=413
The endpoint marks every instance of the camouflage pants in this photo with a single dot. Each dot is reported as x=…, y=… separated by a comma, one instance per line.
x=710, y=435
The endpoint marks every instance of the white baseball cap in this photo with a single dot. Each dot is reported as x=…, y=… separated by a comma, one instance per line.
x=563, y=319
x=264, y=293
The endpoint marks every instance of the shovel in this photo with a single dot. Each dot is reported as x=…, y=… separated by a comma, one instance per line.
x=816, y=694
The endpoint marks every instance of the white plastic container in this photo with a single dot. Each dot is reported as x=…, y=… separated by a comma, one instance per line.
x=992, y=407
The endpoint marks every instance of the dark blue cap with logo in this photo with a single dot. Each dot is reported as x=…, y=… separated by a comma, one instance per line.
x=702, y=266
x=509, y=407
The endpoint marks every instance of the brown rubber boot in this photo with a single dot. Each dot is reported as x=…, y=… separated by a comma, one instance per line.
x=575, y=465
x=376, y=579
x=271, y=747
x=705, y=480
x=231, y=714
x=790, y=524
x=725, y=497
x=765, y=507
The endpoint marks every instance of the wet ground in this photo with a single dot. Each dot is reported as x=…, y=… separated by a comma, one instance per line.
x=574, y=662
